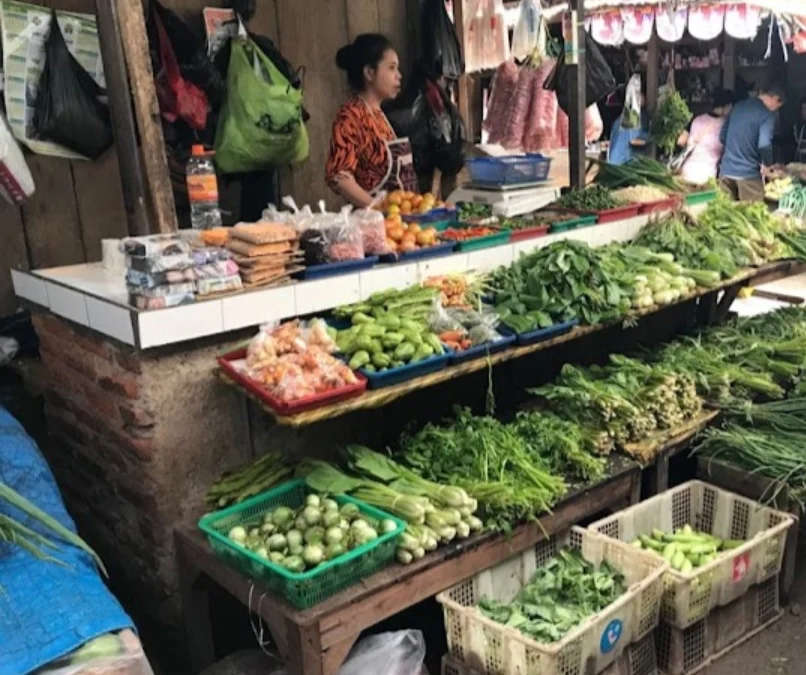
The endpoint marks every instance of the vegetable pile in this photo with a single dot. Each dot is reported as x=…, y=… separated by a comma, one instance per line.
x=434, y=512
x=793, y=201
x=669, y=121
x=263, y=474
x=389, y=330
x=685, y=550
x=593, y=198
x=560, y=596
x=641, y=170
x=302, y=539
x=467, y=233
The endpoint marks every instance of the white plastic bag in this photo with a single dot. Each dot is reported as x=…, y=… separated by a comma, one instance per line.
x=399, y=653
x=631, y=117
x=16, y=182
x=526, y=35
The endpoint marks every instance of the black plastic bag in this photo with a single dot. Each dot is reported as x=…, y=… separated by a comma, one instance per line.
x=599, y=80
x=427, y=116
x=440, y=46
x=68, y=110
x=195, y=64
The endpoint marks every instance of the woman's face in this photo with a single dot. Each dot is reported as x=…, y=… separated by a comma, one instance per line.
x=385, y=79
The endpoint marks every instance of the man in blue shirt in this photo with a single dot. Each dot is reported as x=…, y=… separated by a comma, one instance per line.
x=747, y=137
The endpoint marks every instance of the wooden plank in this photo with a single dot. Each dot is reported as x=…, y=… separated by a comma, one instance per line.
x=264, y=22
x=13, y=254
x=99, y=197
x=51, y=215
x=670, y=441
x=362, y=17
x=138, y=61
x=393, y=22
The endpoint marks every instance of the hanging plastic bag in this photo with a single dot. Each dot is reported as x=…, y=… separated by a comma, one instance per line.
x=504, y=84
x=178, y=98
x=67, y=109
x=526, y=35
x=497, y=42
x=599, y=80
x=191, y=54
x=519, y=109
x=260, y=125
x=16, y=182
x=670, y=23
x=442, y=56
x=631, y=115
x=542, y=120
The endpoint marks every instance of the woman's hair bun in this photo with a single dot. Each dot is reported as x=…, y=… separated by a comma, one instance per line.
x=345, y=57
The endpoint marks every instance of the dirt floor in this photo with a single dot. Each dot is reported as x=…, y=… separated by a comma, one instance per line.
x=779, y=650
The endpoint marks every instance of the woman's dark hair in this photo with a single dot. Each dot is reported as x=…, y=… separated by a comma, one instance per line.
x=366, y=50
x=721, y=98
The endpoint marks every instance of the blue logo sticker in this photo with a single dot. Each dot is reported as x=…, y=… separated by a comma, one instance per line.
x=611, y=636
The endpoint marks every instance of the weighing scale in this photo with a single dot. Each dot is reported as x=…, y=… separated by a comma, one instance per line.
x=508, y=200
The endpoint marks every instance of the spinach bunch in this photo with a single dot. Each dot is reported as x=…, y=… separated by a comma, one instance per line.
x=560, y=595
x=563, y=281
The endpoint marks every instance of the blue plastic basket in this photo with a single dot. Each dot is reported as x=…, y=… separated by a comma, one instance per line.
x=541, y=334
x=332, y=269
x=482, y=351
x=421, y=253
x=512, y=170
x=432, y=216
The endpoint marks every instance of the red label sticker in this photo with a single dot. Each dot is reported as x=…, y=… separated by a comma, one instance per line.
x=741, y=565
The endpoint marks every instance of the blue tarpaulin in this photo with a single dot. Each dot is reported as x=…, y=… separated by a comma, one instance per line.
x=46, y=610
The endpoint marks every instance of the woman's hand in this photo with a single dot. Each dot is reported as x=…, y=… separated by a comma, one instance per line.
x=353, y=192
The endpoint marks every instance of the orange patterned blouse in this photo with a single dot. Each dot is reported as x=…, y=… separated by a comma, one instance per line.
x=358, y=145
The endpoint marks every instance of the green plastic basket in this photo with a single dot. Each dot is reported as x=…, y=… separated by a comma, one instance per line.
x=573, y=224
x=495, y=239
x=704, y=197
x=306, y=589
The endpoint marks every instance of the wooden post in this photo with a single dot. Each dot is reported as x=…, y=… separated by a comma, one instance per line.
x=575, y=60
x=132, y=24
x=123, y=124
x=652, y=73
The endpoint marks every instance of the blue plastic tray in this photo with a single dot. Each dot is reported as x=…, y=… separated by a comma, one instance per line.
x=510, y=170
x=482, y=350
x=332, y=269
x=421, y=253
x=394, y=376
x=433, y=216
x=541, y=334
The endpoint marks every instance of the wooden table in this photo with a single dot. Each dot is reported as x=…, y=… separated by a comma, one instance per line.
x=316, y=641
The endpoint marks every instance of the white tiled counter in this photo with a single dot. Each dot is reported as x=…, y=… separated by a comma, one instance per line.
x=91, y=296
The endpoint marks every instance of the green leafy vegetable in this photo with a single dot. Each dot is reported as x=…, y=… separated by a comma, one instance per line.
x=669, y=121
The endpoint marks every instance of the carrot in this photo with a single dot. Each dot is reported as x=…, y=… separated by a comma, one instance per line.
x=452, y=336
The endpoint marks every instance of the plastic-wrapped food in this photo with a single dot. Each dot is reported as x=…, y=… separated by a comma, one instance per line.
x=163, y=290
x=210, y=286
x=519, y=109
x=216, y=270
x=146, y=280
x=344, y=240
x=154, y=245
x=526, y=35
x=264, y=232
x=155, y=265
x=314, y=245
x=541, y=122
x=209, y=255
x=504, y=83
x=143, y=302
x=486, y=35
x=371, y=223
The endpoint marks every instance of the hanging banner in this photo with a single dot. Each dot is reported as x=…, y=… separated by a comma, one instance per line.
x=706, y=22
x=671, y=23
x=607, y=28
x=742, y=21
x=638, y=23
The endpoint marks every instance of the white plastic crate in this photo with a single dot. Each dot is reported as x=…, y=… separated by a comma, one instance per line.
x=490, y=648
x=638, y=659
x=687, y=598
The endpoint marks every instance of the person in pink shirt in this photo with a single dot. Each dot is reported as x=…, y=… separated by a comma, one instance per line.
x=703, y=147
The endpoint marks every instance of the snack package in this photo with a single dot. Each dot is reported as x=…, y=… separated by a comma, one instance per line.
x=264, y=232
x=146, y=280
x=344, y=239
x=163, y=290
x=155, y=245
x=155, y=265
x=373, y=231
x=217, y=236
x=216, y=270
x=209, y=255
x=219, y=285
x=143, y=302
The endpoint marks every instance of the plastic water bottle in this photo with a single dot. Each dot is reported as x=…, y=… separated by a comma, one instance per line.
x=202, y=190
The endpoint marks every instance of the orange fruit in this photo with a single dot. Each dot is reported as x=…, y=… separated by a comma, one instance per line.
x=395, y=233
x=414, y=228
x=405, y=207
x=393, y=209
x=424, y=238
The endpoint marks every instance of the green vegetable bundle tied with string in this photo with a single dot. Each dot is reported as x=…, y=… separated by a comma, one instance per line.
x=669, y=121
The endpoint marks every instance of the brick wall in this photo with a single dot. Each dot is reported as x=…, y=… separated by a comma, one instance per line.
x=135, y=439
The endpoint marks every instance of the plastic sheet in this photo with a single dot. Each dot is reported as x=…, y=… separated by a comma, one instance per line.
x=631, y=115
x=526, y=35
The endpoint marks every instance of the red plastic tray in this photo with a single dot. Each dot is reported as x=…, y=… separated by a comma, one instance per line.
x=661, y=205
x=619, y=213
x=530, y=233
x=287, y=407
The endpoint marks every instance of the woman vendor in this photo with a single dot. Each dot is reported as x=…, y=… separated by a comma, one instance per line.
x=366, y=156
